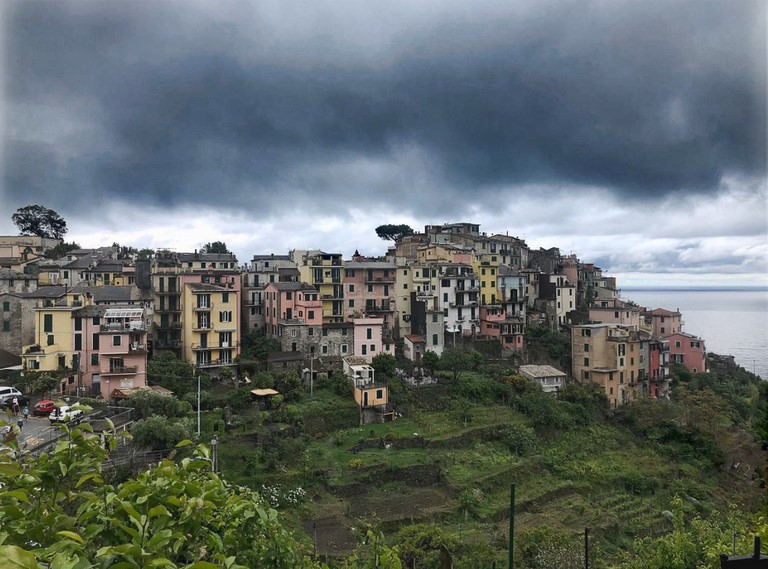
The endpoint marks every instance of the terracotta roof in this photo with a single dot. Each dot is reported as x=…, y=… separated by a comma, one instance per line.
x=416, y=339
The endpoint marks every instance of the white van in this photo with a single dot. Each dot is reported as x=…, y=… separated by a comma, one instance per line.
x=8, y=393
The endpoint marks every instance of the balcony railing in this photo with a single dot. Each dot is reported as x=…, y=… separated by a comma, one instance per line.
x=124, y=370
x=201, y=326
x=119, y=327
x=383, y=280
x=203, y=308
x=168, y=309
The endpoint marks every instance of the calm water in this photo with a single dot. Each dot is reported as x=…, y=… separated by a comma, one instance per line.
x=732, y=322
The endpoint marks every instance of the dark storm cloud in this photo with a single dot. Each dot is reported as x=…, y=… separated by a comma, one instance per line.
x=260, y=104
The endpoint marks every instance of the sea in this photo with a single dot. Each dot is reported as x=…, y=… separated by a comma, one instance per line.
x=732, y=321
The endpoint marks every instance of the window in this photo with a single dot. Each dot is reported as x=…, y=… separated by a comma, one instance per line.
x=95, y=321
x=116, y=340
x=95, y=342
x=586, y=374
x=368, y=333
x=370, y=288
x=311, y=332
x=586, y=332
x=50, y=340
x=310, y=314
x=662, y=329
x=621, y=377
x=445, y=297
x=325, y=348
x=94, y=359
x=379, y=394
x=405, y=286
x=352, y=303
x=225, y=316
x=6, y=326
x=343, y=348
x=586, y=347
x=373, y=348
x=6, y=306
x=225, y=297
x=364, y=349
x=48, y=323
x=434, y=339
x=351, y=287
x=677, y=344
x=78, y=342
x=343, y=331
x=586, y=361
x=434, y=318
x=202, y=265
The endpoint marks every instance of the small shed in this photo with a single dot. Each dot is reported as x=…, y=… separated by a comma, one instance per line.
x=263, y=396
x=549, y=378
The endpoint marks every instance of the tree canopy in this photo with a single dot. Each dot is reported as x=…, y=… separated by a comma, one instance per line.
x=215, y=247
x=390, y=232
x=40, y=221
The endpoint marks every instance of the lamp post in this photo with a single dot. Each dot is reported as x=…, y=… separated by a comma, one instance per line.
x=214, y=452
x=197, y=372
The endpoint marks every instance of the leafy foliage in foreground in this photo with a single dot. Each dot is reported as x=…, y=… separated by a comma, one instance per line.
x=59, y=510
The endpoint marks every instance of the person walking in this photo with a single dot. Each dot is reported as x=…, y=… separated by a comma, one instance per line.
x=15, y=405
x=25, y=412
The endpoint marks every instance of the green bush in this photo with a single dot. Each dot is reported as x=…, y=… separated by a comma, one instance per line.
x=146, y=403
x=158, y=433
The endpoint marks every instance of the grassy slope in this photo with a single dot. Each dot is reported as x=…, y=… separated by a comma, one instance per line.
x=441, y=470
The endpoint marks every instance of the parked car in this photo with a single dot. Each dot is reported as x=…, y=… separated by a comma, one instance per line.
x=8, y=393
x=43, y=408
x=65, y=414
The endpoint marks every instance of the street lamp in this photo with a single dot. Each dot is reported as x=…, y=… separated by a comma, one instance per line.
x=214, y=452
x=197, y=372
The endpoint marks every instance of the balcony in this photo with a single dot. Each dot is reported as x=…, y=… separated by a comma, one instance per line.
x=203, y=308
x=374, y=308
x=171, y=309
x=136, y=348
x=124, y=370
x=381, y=280
x=201, y=326
x=118, y=327
x=331, y=297
x=215, y=363
x=466, y=289
x=201, y=348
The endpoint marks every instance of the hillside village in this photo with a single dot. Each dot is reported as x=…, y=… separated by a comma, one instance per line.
x=94, y=317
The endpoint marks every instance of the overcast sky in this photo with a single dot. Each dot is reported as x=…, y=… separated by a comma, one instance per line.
x=632, y=133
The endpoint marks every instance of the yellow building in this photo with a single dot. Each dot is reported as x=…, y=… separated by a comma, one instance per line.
x=209, y=324
x=486, y=267
x=53, y=349
x=324, y=272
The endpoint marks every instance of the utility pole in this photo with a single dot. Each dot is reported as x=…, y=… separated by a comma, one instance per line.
x=197, y=372
x=512, y=527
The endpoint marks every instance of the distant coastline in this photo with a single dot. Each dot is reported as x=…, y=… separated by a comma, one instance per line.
x=702, y=288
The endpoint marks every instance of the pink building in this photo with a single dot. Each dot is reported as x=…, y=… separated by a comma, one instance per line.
x=369, y=337
x=123, y=350
x=495, y=323
x=285, y=302
x=111, y=344
x=687, y=350
x=369, y=289
x=665, y=322
x=617, y=314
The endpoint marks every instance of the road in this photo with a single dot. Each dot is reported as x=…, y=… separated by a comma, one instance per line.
x=34, y=432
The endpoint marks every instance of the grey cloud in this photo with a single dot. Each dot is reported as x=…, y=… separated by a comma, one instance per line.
x=261, y=105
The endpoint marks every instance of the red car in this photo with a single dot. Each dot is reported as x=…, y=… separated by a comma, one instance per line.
x=44, y=407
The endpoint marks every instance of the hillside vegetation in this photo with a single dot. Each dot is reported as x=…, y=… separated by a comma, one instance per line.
x=441, y=474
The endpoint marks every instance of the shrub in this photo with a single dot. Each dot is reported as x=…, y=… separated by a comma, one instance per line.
x=157, y=433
